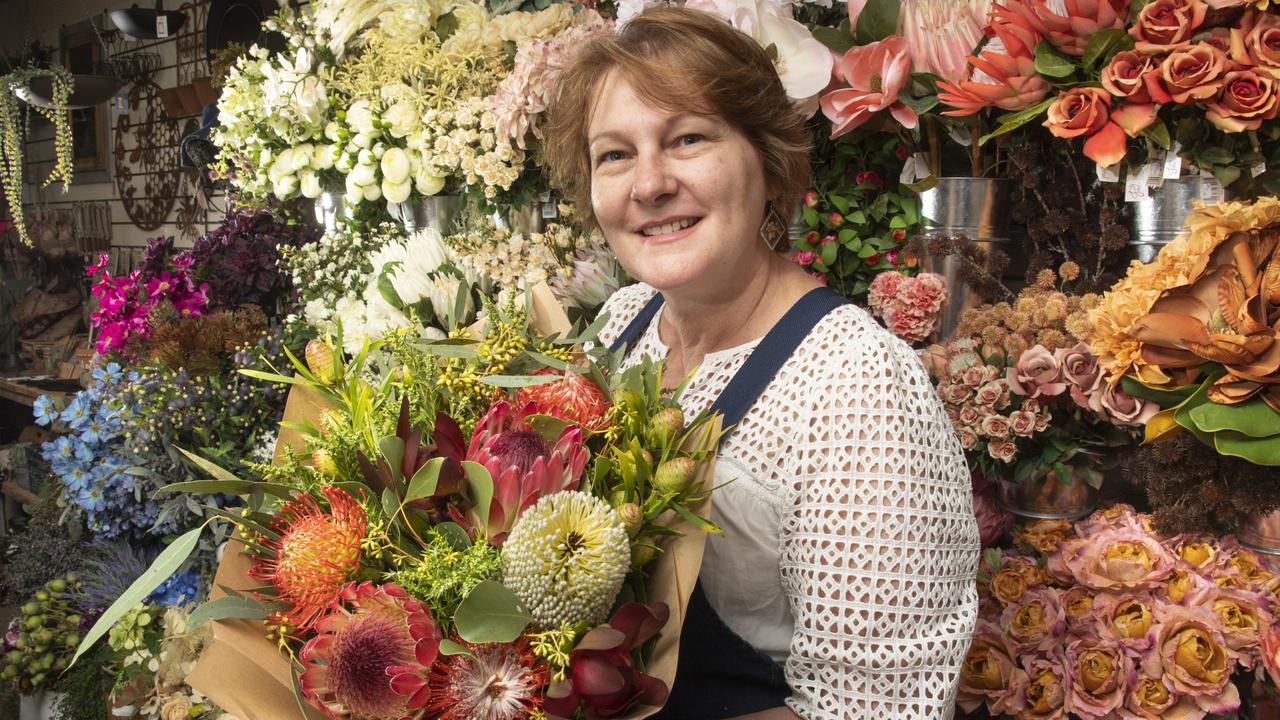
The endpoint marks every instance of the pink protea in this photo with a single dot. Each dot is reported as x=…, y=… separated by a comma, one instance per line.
x=1004, y=73
x=942, y=34
x=1121, y=559
x=1068, y=24
x=371, y=656
x=493, y=681
x=523, y=465
x=574, y=397
x=603, y=680
x=875, y=74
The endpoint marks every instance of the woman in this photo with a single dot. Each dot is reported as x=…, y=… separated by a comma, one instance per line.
x=844, y=584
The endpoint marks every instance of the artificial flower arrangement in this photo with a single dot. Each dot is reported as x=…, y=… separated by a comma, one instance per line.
x=1182, y=76
x=1195, y=330
x=1107, y=618
x=909, y=306
x=1029, y=401
x=467, y=535
x=858, y=216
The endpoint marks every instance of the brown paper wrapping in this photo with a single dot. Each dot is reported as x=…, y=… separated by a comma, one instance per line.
x=245, y=674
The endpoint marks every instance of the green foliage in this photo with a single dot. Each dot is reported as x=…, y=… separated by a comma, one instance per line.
x=491, y=613
x=445, y=573
x=83, y=689
x=874, y=222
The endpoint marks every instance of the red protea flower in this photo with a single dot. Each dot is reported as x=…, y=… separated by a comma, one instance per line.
x=524, y=466
x=497, y=681
x=316, y=552
x=574, y=397
x=372, y=655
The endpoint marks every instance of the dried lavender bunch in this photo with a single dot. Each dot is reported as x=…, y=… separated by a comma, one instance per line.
x=980, y=269
x=1068, y=215
x=1193, y=489
x=45, y=549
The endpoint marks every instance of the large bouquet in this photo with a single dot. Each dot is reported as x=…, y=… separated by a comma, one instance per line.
x=466, y=535
x=1106, y=618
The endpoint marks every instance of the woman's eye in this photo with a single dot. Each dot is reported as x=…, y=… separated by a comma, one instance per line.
x=612, y=156
x=691, y=138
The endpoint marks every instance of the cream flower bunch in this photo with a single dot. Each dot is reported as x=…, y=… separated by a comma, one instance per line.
x=337, y=266
x=514, y=259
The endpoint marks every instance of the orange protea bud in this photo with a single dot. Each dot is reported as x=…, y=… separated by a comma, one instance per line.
x=574, y=397
x=316, y=552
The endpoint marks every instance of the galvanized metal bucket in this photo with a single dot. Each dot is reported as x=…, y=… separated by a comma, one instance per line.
x=977, y=208
x=1262, y=533
x=329, y=208
x=1159, y=219
x=442, y=212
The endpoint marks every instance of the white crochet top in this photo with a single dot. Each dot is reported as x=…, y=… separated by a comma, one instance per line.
x=850, y=547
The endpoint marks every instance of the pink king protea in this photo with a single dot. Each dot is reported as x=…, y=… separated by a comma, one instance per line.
x=524, y=466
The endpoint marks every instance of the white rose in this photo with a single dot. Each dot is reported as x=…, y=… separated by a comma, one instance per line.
x=285, y=187
x=323, y=156
x=310, y=184
x=396, y=166
x=427, y=183
x=360, y=117
x=396, y=192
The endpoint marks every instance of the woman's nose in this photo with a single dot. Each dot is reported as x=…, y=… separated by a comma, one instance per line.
x=654, y=181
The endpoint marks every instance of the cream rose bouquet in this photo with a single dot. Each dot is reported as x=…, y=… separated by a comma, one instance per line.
x=1104, y=618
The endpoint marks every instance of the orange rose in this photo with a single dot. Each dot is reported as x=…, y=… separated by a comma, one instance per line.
x=1134, y=77
x=1194, y=74
x=1256, y=42
x=1247, y=98
x=1166, y=25
x=1078, y=111
x=1008, y=585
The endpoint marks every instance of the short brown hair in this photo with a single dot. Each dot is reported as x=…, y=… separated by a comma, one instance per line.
x=688, y=60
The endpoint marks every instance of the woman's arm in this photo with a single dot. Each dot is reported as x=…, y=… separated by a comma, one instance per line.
x=880, y=549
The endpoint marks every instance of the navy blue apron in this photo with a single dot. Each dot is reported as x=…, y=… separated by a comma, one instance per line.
x=719, y=674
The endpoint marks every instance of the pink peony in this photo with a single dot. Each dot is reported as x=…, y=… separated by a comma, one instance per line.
x=1099, y=671
x=875, y=74
x=1121, y=559
x=1037, y=373
x=926, y=291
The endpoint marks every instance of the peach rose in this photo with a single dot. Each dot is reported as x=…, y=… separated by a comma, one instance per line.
x=1003, y=450
x=994, y=394
x=1247, y=98
x=1244, y=617
x=1150, y=699
x=1121, y=559
x=1134, y=77
x=968, y=439
x=1127, y=618
x=1098, y=670
x=1078, y=111
x=1195, y=73
x=1036, y=622
x=955, y=393
x=1022, y=423
x=995, y=426
x=1256, y=42
x=990, y=674
x=1192, y=656
x=1046, y=694
x=1008, y=585
x=1118, y=407
x=1077, y=606
x=1166, y=25
x=1037, y=373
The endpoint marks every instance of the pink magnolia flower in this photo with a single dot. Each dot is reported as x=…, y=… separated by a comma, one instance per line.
x=875, y=74
x=523, y=465
x=1121, y=559
x=1004, y=73
x=1036, y=374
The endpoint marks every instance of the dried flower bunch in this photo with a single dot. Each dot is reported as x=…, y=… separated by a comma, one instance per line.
x=1199, y=329
x=1041, y=314
x=1098, y=619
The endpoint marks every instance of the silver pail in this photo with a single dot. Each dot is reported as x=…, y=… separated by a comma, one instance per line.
x=441, y=212
x=1159, y=219
x=330, y=207
x=1262, y=533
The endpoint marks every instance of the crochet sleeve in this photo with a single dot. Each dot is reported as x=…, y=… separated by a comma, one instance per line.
x=880, y=545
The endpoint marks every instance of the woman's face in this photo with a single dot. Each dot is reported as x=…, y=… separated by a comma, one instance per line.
x=679, y=196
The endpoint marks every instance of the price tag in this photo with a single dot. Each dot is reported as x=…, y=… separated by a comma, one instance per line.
x=1135, y=184
x=549, y=211
x=1211, y=191
x=1172, y=163
x=120, y=103
x=162, y=26
x=1258, y=169
x=1109, y=173
x=1155, y=166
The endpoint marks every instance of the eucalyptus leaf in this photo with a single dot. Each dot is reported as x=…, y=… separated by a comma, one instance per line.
x=491, y=614
x=228, y=608
x=390, y=503
x=392, y=450
x=1012, y=121
x=453, y=533
x=166, y=564
x=423, y=482
x=449, y=647
x=228, y=487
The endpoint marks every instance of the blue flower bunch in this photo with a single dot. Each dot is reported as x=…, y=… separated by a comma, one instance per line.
x=91, y=460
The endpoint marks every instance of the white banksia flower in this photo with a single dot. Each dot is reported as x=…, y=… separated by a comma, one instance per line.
x=566, y=559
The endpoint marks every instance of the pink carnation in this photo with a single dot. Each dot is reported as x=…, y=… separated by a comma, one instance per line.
x=909, y=306
x=884, y=288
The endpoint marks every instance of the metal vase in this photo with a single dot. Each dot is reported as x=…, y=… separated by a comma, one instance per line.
x=441, y=212
x=1261, y=533
x=330, y=207
x=977, y=208
x=1159, y=219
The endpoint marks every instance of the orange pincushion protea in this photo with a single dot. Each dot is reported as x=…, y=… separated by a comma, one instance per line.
x=316, y=552
x=574, y=397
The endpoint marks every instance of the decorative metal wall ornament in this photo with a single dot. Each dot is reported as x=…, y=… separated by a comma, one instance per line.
x=146, y=154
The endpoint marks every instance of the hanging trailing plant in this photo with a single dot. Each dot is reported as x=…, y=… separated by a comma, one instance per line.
x=13, y=127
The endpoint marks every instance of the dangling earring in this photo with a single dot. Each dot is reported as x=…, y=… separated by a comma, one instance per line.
x=773, y=228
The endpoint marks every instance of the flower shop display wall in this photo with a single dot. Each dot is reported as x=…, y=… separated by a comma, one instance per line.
x=147, y=193
x=440, y=434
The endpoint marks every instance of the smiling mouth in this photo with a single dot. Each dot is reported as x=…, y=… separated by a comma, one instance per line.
x=669, y=227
